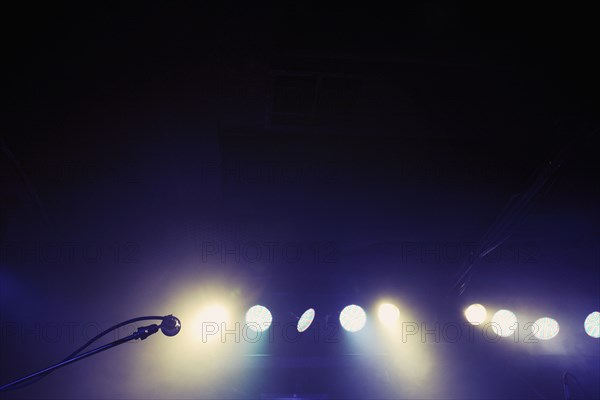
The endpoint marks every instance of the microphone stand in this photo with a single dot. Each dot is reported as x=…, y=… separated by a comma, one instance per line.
x=141, y=333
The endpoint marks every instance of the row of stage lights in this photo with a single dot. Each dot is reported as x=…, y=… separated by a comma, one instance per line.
x=353, y=318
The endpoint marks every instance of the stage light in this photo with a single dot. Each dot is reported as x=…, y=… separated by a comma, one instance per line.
x=504, y=323
x=388, y=314
x=545, y=328
x=259, y=318
x=592, y=324
x=214, y=314
x=476, y=314
x=305, y=320
x=210, y=321
x=353, y=318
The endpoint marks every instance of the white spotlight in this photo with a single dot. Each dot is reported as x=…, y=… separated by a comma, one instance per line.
x=545, y=328
x=353, y=318
x=259, y=318
x=388, y=314
x=476, y=314
x=305, y=320
x=504, y=323
x=592, y=325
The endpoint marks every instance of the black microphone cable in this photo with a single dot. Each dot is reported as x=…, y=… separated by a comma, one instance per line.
x=171, y=328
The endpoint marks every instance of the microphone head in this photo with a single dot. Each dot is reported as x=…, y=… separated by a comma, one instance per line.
x=170, y=325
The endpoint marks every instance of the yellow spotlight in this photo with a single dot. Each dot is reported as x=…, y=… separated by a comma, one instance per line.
x=476, y=314
x=214, y=313
x=388, y=314
x=211, y=321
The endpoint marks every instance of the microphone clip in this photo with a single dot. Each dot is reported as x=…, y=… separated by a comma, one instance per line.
x=145, y=331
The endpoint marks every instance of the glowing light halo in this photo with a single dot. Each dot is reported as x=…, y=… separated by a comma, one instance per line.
x=306, y=320
x=258, y=318
x=476, y=314
x=353, y=318
x=592, y=325
x=214, y=313
x=545, y=328
x=504, y=323
x=388, y=314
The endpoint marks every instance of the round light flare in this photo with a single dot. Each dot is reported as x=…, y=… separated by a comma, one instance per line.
x=592, y=325
x=476, y=314
x=545, y=328
x=258, y=318
x=353, y=318
x=504, y=323
x=211, y=320
x=305, y=320
x=388, y=314
x=214, y=313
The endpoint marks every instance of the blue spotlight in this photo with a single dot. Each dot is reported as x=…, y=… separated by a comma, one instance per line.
x=545, y=328
x=353, y=318
x=259, y=318
x=592, y=325
x=305, y=320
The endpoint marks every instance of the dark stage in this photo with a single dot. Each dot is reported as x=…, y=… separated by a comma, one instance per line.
x=307, y=201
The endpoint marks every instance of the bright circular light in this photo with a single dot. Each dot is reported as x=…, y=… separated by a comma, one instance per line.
x=388, y=314
x=545, y=328
x=504, y=323
x=211, y=320
x=259, y=318
x=592, y=324
x=305, y=320
x=476, y=314
x=214, y=314
x=353, y=318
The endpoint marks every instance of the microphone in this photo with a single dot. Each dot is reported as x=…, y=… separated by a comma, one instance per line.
x=170, y=325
